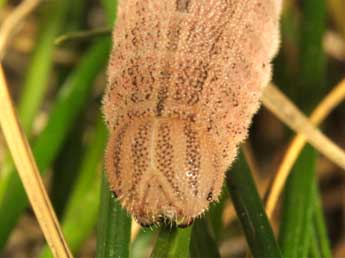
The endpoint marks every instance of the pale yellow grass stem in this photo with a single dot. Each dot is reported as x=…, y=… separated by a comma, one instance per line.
x=29, y=173
x=287, y=112
x=135, y=228
x=336, y=96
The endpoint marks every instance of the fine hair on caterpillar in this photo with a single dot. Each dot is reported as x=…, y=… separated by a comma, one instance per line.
x=168, y=173
x=185, y=78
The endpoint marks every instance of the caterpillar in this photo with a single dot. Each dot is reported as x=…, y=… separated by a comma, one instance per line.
x=185, y=78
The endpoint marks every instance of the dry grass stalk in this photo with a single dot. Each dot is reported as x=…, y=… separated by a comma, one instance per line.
x=336, y=96
x=11, y=24
x=287, y=112
x=135, y=229
x=29, y=173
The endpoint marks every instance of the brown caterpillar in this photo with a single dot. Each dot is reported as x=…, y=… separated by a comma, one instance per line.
x=184, y=79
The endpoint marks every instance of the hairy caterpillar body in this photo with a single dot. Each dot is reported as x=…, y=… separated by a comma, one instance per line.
x=184, y=79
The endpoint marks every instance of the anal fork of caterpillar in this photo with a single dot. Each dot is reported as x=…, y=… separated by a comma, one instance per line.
x=164, y=169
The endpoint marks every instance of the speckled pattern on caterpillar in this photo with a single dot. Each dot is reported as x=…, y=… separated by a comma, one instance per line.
x=185, y=78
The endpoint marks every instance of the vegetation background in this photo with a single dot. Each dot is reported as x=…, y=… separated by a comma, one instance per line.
x=57, y=89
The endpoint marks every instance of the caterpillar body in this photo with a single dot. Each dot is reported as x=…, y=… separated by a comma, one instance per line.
x=185, y=78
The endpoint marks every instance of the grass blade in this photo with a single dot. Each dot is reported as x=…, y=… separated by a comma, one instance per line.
x=70, y=102
x=141, y=246
x=114, y=226
x=314, y=250
x=320, y=236
x=250, y=211
x=172, y=242
x=69, y=159
x=85, y=196
x=202, y=243
x=312, y=79
x=294, y=235
x=66, y=167
x=110, y=7
x=297, y=231
x=37, y=76
x=36, y=80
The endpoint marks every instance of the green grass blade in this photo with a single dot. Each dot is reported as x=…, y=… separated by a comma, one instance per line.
x=85, y=196
x=69, y=158
x=165, y=239
x=194, y=241
x=114, y=226
x=78, y=15
x=172, y=242
x=202, y=243
x=141, y=246
x=37, y=76
x=312, y=71
x=189, y=242
x=298, y=206
x=250, y=211
x=314, y=250
x=67, y=168
x=110, y=7
x=320, y=237
x=69, y=104
x=299, y=202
